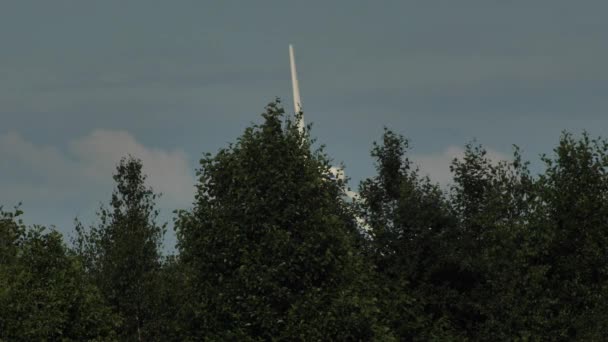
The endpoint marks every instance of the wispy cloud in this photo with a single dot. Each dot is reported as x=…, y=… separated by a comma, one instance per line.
x=44, y=172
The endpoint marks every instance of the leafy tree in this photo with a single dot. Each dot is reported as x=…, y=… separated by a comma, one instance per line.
x=535, y=245
x=408, y=219
x=498, y=247
x=122, y=253
x=573, y=216
x=44, y=294
x=271, y=244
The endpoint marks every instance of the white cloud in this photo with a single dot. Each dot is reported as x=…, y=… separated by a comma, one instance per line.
x=168, y=171
x=49, y=173
x=437, y=166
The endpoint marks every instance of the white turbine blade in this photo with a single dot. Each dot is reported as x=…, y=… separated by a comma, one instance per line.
x=297, y=102
x=335, y=172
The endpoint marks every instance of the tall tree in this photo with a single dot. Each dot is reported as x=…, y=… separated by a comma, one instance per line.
x=498, y=247
x=271, y=244
x=122, y=253
x=408, y=218
x=573, y=215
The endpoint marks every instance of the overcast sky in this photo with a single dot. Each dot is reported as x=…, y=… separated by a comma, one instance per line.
x=83, y=83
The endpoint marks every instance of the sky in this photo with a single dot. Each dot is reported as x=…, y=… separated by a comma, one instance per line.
x=83, y=83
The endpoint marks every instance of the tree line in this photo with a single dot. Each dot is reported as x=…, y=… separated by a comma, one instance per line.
x=273, y=249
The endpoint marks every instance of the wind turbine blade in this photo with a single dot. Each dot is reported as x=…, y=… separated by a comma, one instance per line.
x=297, y=102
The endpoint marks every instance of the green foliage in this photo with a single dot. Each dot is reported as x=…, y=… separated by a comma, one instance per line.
x=271, y=250
x=122, y=255
x=506, y=255
x=574, y=218
x=535, y=246
x=494, y=204
x=11, y=231
x=44, y=294
x=171, y=300
x=271, y=244
x=408, y=221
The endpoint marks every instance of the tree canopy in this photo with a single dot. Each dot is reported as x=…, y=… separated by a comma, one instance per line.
x=273, y=248
x=272, y=245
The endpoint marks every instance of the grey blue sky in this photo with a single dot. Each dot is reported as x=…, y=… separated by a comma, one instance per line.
x=84, y=82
